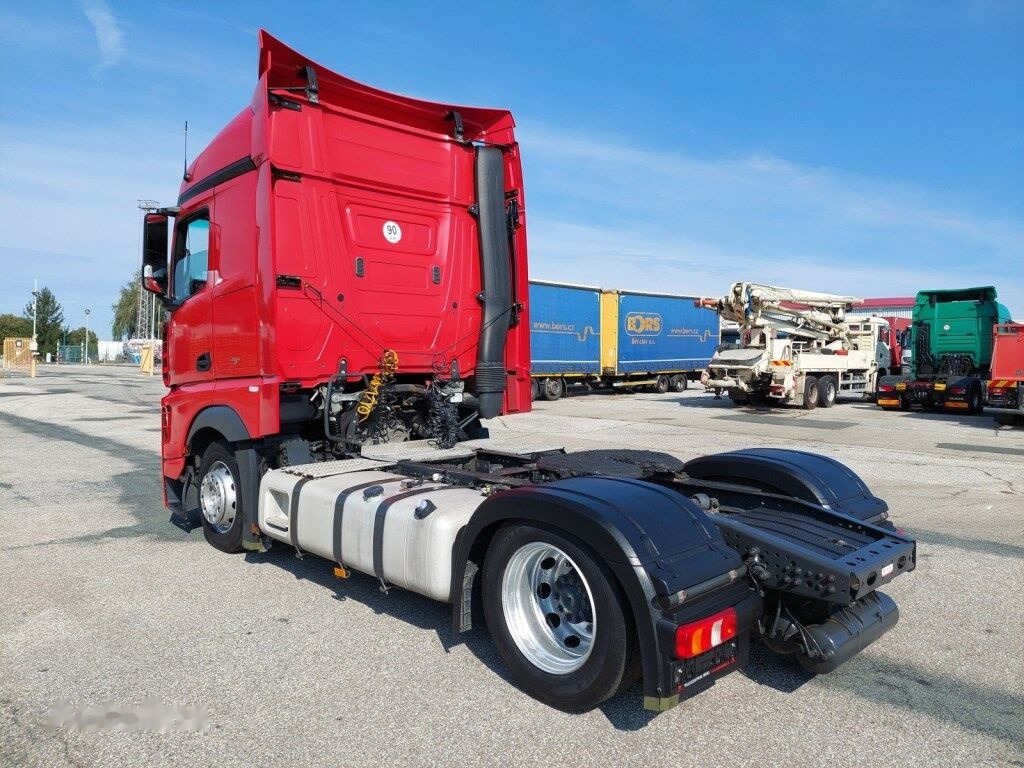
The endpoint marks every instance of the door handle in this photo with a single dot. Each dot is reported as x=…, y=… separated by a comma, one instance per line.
x=203, y=362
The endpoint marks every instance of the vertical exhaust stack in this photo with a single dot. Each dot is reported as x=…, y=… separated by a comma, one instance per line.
x=496, y=274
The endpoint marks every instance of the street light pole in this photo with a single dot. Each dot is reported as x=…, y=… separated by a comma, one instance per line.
x=87, y=336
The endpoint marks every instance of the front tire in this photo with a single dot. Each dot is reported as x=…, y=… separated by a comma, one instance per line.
x=220, y=498
x=556, y=619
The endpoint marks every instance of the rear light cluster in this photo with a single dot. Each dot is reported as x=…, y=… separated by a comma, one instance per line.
x=958, y=390
x=997, y=390
x=886, y=388
x=698, y=637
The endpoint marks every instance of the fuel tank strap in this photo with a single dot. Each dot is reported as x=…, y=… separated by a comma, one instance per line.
x=339, y=515
x=293, y=515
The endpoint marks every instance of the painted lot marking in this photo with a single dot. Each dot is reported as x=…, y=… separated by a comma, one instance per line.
x=784, y=421
x=981, y=448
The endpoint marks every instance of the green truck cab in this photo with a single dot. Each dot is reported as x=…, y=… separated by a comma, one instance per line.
x=951, y=344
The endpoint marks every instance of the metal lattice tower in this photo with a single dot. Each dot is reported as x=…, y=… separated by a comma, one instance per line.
x=144, y=309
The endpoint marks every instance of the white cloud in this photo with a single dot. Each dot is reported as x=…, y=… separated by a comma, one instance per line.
x=108, y=32
x=609, y=212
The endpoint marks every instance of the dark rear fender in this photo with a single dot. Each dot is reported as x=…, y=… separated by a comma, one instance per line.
x=806, y=476
x=653, y=540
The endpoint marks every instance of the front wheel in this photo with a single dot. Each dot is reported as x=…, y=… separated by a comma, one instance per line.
x=556, y=619
x=220, y=498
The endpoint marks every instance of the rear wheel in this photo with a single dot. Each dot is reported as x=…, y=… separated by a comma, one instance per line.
x=904, y=402
x=811, y=393
x=661, y=385
x=534, y=390
x=975, y=399
x=827, y=391
x=220, y=498
x=551, y=389
x=556, y=619
x=678, y=382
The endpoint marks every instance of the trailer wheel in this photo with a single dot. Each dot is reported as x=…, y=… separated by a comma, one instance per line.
x=556, y=619
x=811, y=393
x=827, y=391
x=678, y=382
x=905, y=403
x=534, y=390
x=220, y=499
x=661, y=385
x=551, y=389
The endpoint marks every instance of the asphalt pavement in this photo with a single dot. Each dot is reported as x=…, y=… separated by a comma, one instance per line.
x=106, y=604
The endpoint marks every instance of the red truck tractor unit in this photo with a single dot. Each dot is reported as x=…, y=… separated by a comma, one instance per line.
x=1004, y=389
x=345, y=283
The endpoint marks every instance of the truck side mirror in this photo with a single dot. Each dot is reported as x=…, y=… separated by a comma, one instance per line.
x=154, y=253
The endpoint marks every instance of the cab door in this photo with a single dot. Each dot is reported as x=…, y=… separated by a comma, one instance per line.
x=190, y=333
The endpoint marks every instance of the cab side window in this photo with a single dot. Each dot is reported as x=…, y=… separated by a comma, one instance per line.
x=191, y=257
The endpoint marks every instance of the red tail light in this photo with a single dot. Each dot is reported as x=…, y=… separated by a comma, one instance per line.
x=997, y=390
x=957, y=390
x=697, y=637
x=886, y=388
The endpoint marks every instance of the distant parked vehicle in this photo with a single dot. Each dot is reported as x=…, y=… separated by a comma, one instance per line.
x=605, y=338
x=1004, y=390
x=951, y=341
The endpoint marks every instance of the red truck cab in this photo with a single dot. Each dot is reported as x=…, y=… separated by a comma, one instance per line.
x=328, y=223
x=1004, y=388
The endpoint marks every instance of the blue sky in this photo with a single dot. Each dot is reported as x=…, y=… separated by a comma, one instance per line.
x=872, y=148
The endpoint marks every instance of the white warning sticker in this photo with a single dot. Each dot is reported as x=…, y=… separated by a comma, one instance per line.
x=392, y=232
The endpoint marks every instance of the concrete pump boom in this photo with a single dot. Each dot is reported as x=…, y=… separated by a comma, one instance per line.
x=821, y=317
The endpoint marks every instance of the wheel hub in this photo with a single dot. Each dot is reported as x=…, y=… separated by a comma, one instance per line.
x=548, y=608
x=218, y=499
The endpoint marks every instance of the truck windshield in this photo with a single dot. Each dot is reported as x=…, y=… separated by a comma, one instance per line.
x=192, y=260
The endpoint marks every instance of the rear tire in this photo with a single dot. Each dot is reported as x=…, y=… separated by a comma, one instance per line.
x=661, y=385
x=551, y=389
x=534, y=390
x=811, y=393
x=557, y=619
x=975, y=399
x=828, y=390
x=220, y=498
x=678, y=382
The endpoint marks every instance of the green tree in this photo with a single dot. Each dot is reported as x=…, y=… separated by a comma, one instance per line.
x=49, y=318
x=126, y=309
x=12, y=326
x=77, y=336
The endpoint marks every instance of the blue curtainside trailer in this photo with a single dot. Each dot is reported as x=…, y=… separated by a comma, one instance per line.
x=601, y=338
x=565, y=326
x=659, y=332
